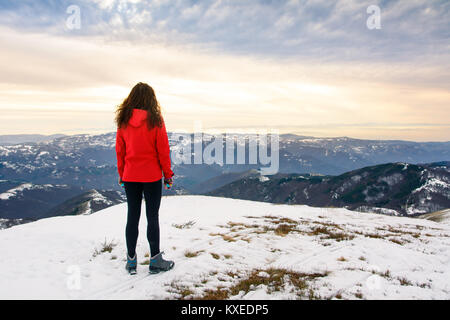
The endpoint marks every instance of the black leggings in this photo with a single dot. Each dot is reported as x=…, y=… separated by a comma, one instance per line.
x=152, y=194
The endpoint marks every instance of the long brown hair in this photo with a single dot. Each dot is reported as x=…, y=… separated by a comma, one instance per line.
x=142, y=96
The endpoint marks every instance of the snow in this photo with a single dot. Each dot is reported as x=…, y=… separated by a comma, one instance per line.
x=25, y=186
x=42, y=153
x=98, y=197
x=378, y=210
x=379, y=257
x=369, y=199
x=305, y=192
x=433, y=185
x=425, y=193
x=392, y=179
x=13, y=192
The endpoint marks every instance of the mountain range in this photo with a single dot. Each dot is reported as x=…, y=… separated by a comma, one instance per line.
x=61, y=172
x=27, y=202
x=393, y=189
x=89, y=161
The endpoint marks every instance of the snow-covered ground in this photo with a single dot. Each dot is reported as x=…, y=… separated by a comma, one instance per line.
x=235, y=249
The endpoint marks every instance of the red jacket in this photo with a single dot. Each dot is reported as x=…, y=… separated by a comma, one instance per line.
x=142, y=153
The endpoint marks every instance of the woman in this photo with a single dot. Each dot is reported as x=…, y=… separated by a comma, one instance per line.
x=143, y=151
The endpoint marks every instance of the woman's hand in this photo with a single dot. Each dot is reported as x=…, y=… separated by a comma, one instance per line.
x=120, y=182
x=168, y=183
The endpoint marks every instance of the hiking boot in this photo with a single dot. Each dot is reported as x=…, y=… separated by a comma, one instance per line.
x=158, y=264
x=131, y=264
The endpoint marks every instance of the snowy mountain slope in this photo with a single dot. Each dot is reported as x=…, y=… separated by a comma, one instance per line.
x=391, y=188
x=8, y=223
x=219, y=181
x=29, y=200
x=24, y=201
x=84, y=160
x=234, y=249
x=442, y=216
x=88, y=203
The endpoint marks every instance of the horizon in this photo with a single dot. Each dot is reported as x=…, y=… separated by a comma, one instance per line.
x=225, y=133
x=373, y=70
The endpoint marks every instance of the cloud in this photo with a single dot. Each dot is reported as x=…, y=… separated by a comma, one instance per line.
x=79, y=74
x=327, y=30
x=297, y=64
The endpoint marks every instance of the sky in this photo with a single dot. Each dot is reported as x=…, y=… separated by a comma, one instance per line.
x=318, y=68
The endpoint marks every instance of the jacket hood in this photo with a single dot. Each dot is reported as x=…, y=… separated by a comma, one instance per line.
x=138, y=117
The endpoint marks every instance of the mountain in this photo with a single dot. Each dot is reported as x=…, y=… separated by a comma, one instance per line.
x=230, y=249
x=26, y=138
x=334, y=156
x=26, y=202
x=88, y=203
x=8, y=223
x=86, y=161
x=217, y=182
x=89, y=161
x=70, y=166
x=394, y=188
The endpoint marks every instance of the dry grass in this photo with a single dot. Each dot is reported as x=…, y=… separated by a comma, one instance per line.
x=218, y=294
x=192, y=254
x=397, y=241
x=369, y=235
x=393, y=237
x=359, y=295
x=274, y=279
x=404, y=281
x=106, y=246
x=215, y=256
x=182, y=291
x=186, y=225
x=325, y=230
x=283, y=226
x=224, y=237
x=231, y=238
x=283, y=229
x=387, y=275
x=280, y=220
x=390, y=232
x=326, y=233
